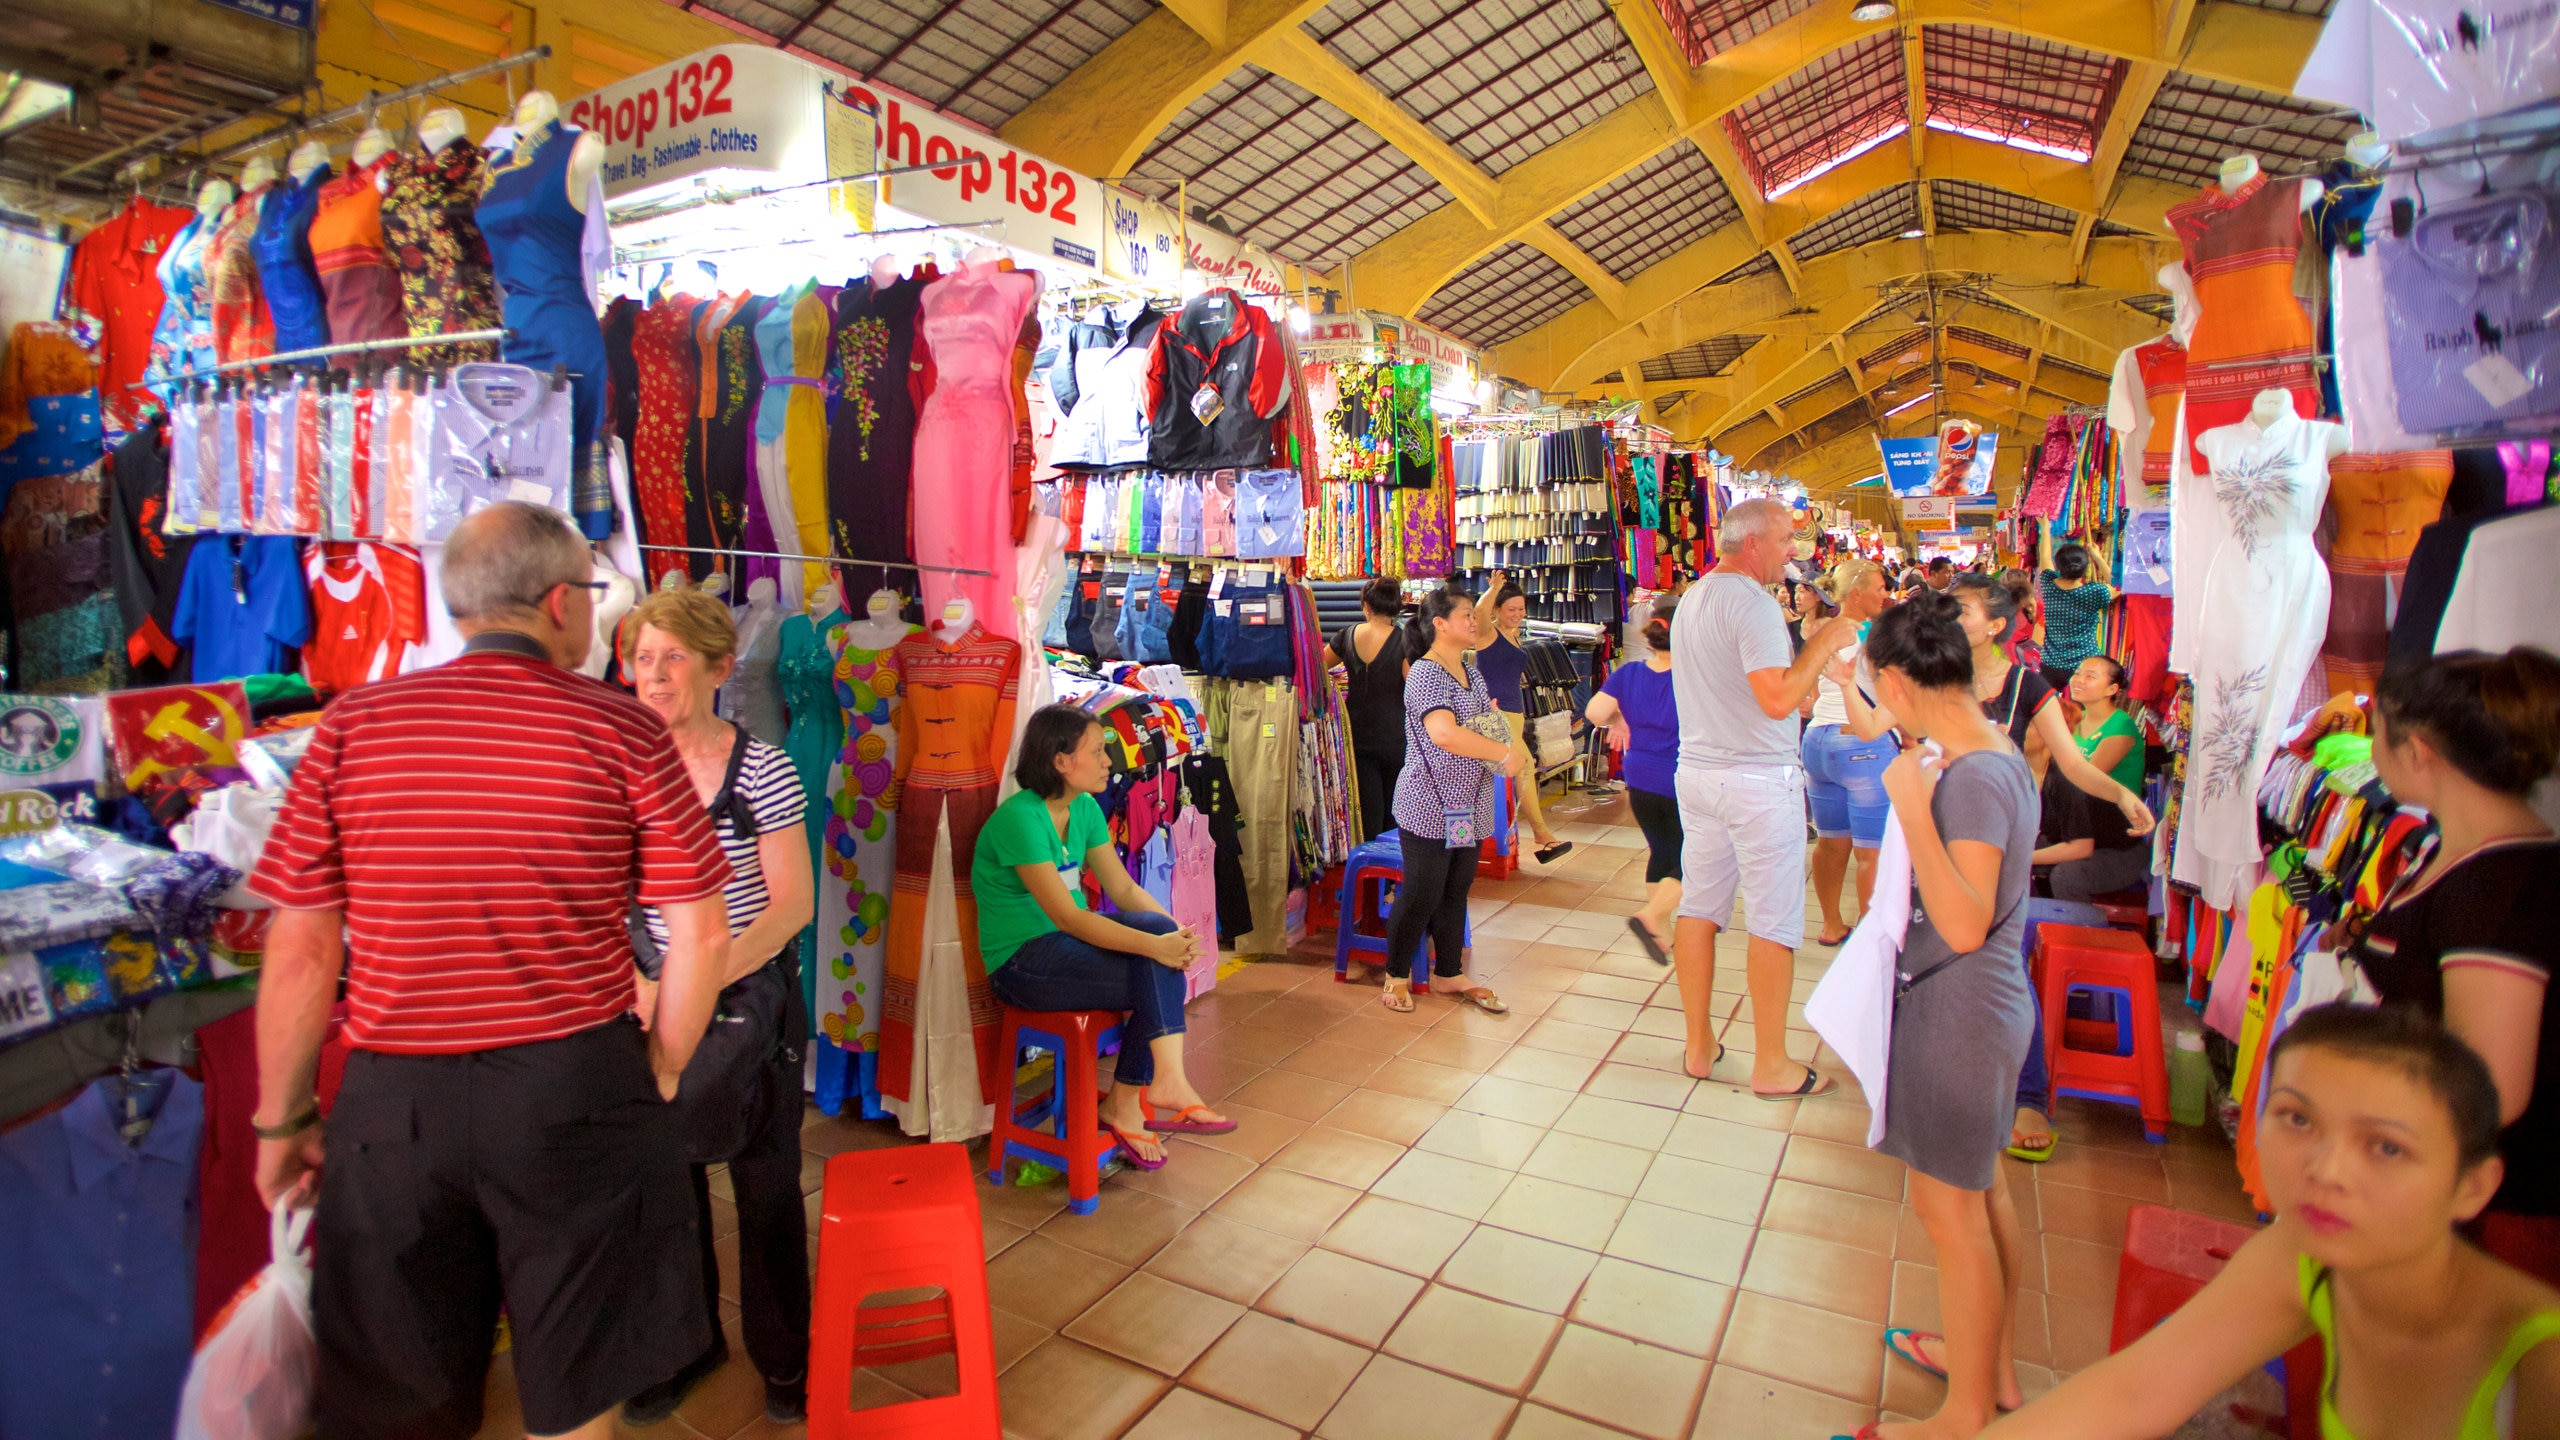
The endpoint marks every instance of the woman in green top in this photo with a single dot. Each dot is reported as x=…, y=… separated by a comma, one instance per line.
x=2106, y=734
x=2380, y=1136
x=1045, y=951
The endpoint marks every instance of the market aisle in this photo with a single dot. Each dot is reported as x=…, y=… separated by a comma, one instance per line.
x=1467, y=1226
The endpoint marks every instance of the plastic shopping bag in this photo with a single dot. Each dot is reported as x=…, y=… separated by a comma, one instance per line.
x=255, y=1369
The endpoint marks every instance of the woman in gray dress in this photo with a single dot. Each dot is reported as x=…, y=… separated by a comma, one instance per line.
x=1963, y=1013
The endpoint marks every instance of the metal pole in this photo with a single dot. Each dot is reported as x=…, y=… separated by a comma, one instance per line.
x=319, y=352
x=844, y=560
x=373, y=100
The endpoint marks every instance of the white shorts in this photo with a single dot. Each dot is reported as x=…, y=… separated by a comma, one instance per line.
x=1742, y=832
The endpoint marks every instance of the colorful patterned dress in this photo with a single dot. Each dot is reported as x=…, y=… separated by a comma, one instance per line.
x=429, y=225
x=859, y=861
x=668, y=359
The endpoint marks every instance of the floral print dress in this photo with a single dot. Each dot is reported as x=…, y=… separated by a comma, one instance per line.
x=446, y=281
x=858, y=852
x=242, y=329
x=667, y=356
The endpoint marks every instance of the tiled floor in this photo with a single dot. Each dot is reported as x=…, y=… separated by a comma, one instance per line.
x=1456, y=1225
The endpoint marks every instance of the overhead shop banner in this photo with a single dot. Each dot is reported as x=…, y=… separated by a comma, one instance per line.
x=1954, y=462
x=749, y=114
x=975, y=177
x=1146, y=242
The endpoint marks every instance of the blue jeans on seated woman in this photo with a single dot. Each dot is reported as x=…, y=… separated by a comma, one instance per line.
x=1057, y=971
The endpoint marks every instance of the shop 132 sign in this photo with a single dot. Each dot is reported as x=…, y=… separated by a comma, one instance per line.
x=729, y=108
x=973, y=178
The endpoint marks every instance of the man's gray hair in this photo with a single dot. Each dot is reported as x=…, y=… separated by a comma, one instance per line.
x=507, y=557
x=1755, y=517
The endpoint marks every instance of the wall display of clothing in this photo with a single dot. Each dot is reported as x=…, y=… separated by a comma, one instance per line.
x=1380, y=426
x=858, y=860
x=62, y=621
x=114, y=293
x=1544, y=509
x=1232, y=514
x=1355, y=531
x=1229, y=621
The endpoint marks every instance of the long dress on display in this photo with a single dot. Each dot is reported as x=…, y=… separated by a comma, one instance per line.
x=286, y=276
x=939, y=1018
x=859, y=866
x=2252, y=332
x=2245, y=553
x=357, y=280
x=183, y=340
x=663, y=350
x=871, y=447
x=242, y=328
x=725, y=334
x=446, y=282
x=964, y=455
x=536, y=238
x=806, y=669
x=777, y=360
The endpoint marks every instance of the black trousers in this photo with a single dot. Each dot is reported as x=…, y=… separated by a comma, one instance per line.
x=1432, y=900
x=1377, y=776
x=1658, y=816
x=773, y=1236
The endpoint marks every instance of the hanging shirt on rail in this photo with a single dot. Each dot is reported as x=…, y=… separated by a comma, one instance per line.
x=536, y=241
x=1216, y=377
x=114, y=289
x=243, y=606
x=282, y=247
x=1109, y=425
x=446, y=281
x=368, y=607
x=242, y=329
x=348, y=254
x=502, y=433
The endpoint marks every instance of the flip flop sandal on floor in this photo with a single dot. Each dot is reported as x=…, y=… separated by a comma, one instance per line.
x=1653, y=950
x=1903, y=1341
x=1711, y=1065
x=1181, y=1122
x=2033, y=1154
x=1553, y=853
x=1484, y=1000
x=1872, y=1430
x=1128, y=1151
x=1388, y=997
x=1815, y=1083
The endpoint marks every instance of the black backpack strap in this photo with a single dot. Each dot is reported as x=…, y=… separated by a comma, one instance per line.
x=741, y=815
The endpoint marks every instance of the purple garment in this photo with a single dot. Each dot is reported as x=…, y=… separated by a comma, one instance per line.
x=2476, y=284
x=756, y=534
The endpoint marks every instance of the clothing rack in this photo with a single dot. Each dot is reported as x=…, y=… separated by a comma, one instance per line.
x=2316, y=362
x=814, y=559
x=623, y=262
x=352, y=347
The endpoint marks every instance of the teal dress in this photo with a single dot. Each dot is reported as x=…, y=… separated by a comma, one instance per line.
x=807, y=670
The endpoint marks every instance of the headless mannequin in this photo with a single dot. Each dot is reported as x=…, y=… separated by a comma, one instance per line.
x=536, y=110
x=2367, y=149
x=716, y=583
x=823, y=602
x=307, y=157
x=213, y=199
x=372, y=145
x=884, y=271
x=440, y=127
x=621, y=593
x=880, y=626
x=2185, y=309
x=257, y=176
x=958, y=614
x=2242, y=168
x=2274, y=403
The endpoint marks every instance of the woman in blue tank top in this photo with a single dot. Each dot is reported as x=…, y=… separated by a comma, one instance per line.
x=1502, y=662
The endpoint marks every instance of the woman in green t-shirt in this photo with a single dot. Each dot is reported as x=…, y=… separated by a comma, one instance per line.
x=1045, y=951
x=2106, y=734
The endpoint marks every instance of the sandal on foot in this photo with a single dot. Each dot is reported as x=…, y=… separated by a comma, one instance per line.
x=1653, y=950
x=1904, y=1341
x=1400, y=1001
x=1484, y=1000
x=1550, y=854
x=1872, y=1430
x=1831, y=942
x=1129, y=1150
x=2032, y=1154
x=1711, y=1065
x=1815, y=1083
x=1182, y=1121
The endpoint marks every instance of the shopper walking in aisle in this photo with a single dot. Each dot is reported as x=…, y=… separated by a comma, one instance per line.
x=2465, y=934
x=1500, y=612
x=1044, y=950
x=2380, y=1137
x=1963, y=1013
x=478, y=834
x=2074, y=602
x=1444, y=798
x=1844, y=775
x=1740, y=787
x=1642, y=715
x=744, y=1110
x=1372, y=654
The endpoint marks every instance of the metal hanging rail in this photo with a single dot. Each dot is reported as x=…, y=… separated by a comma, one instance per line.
x=844, y=560
x=352, y=347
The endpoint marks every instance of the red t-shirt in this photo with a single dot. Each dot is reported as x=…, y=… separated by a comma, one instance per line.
x=487, y=826
x=368, y=606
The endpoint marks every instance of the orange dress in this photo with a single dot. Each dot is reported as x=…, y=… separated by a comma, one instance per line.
x=2253, y=332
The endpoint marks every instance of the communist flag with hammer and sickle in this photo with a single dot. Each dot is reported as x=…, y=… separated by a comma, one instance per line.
x=176, y=727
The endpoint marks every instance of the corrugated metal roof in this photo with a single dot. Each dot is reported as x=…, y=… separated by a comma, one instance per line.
x=1912, y=344
x=1968, y=205
x=1836, y=377
x=1651, y=211
x=2194, y=123
x=1287, y=170
x=1700, y=361
x=1704, y=27
x=1879, y=215
x=1840, y=105
x=1513, y=290
x=2158, y=307
x=2015, y=89
x=1987, y=341
x=1499, y=80
x=1671, y=400
x=985, y=60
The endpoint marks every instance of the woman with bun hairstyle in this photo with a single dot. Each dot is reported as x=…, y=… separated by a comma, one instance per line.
x=1638, y=710
x=2470, y=931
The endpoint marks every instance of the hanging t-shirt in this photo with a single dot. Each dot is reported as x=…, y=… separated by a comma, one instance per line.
x=1021, y=832
x=243, y=606
x=501, y=433
x=1270, y=515
x=368, y=607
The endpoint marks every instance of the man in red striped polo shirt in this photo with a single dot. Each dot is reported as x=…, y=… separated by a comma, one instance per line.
x=464, y=844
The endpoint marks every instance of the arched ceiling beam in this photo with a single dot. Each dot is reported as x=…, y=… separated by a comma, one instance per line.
x=1671, y=304
x=1719, y=415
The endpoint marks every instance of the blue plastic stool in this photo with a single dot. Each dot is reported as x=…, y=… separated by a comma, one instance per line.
x=2119, y=1005
x=1369, y=880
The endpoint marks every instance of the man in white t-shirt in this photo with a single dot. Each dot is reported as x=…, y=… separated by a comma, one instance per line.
x=1741, y=786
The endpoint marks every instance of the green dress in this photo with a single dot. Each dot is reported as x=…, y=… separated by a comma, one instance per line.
x=2479, y=1421
x=806, y=668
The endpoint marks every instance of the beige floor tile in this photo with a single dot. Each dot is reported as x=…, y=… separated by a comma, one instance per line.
x=1618, y=987
x=1546, y=1067
x=1568, y=1038
x=1609, y=1378
x=1702, y=1188
x=1699, y=1246
x=1820, y=1273
x=1421, y=1080
x=1126, y=1230
x=1372, y=1034
x=1519, y=1100
x=1519, y=1269
x=1661, y=1021
x=1155, y=1323
x=1741, y=1405
x=1833, y=1117
x=2078, y=1270
x=2134, y=1177
x=1293, y=1016
x=2091, y=1215
x=1195, y=1176
x=1843, y=1216
x=1271, y=1367
x=1597, y=1011
x=1677, y=1312
x=1287, y=1203
x=1438, y=1182
x=1341, y=1064
x=1581, y=1160
x=1284, y=1092
x=1842, y=1167
x=1379, y=1115
x=1730, y=1101
x=1478, y=1339
x=1189, y=1415
x=1255, y=1047
x=1397, y=1235
x=1344, y=1157
x=1458, y=1050
x=1622, y=1122
x=1395, y=1401
x=1537, y=1422
x=1484, y=1139
x=1555, y=1210
x=1640, y=1083
x=1067, y=1391
x=1015, y=1337
x=1805, y=1346
x=1721, y=1142
x=1258, y=1135
x=1235, y=1261
x=1341, y=1296
x=1663, y=1052
x=1047, y=1283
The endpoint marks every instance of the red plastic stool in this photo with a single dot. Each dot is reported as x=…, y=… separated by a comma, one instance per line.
x=902, y=1220
x=1064, y=1135
x=2126, y=909
x=2068, y=955
x=2169, y=1255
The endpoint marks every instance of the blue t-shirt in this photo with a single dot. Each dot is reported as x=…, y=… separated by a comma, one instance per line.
x=1503, y=663
x=243, y=606
x=1644, y=694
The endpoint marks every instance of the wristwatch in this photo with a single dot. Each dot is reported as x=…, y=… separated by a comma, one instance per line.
x=309, y=1117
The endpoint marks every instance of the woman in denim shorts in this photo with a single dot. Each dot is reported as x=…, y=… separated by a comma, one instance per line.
x=1844, y=775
